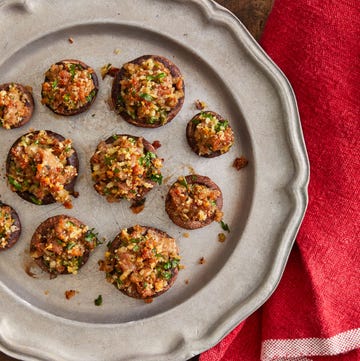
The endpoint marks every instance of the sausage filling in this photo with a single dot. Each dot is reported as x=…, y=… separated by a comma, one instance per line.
x=68, y=86
x=14, y=107
x=149, y=92
x=144, y=262
x=124, y=168
x=38, y=165
x=62, y=246
x=7, y=226
x=211, y=134
x=193, y=201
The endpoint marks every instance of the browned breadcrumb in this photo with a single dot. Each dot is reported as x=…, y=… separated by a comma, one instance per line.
x=202, y=260
x=221, y=237
x=71, y=40
x=148, y=300
x=46, y=292
x=117, y=51
x=186, y=235
x=187, y=281
x=240, y=163
x=70, y=294
x=200, y=105
x=156, y=144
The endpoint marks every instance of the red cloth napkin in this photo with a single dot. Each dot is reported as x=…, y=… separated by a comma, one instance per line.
x=314, y=314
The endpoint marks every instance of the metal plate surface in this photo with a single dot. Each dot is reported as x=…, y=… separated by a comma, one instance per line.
x=263, y=203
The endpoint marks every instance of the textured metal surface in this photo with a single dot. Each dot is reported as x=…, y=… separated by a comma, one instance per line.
x=263, y=203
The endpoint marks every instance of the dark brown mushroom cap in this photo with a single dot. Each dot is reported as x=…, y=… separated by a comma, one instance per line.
x=48, y=199
x=15, y=235
x=41, y=232
x=86, y=106
x=148, y=147
x=29, y=101
x=190, y=134
x=115, y=244
x=193, y=224
x=121, y=74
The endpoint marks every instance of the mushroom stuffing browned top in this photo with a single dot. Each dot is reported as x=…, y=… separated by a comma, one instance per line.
x=194, y=201
x=62, y=244
x=125, y=167
x=40, y=166
x=209, y=135
x=16, y=105
x=70, y=87
x=9, y=226
x=148, y=91
x=142, y=262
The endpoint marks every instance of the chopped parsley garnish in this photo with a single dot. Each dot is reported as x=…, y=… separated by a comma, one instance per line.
x=156, y=178
x=146, y=96
x=71, y=245
x=98, y=301
x=146, y=159
x=72, y=70
x=15, y=183
x=221, y=126
x=66, y=97
x=136, y=248
x=90, y=235
x=54, y=84
x=224, y=226
x=36, y=200
x=156, y=77
x=183, y=182
x=90, y=96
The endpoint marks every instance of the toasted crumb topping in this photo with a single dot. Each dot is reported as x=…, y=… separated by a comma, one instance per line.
x=67, y=87
x=124, y=169
x=7, y=226
x=38, y=165
x=14, y=106
x=193, y=201
x=62, y=244
x=143, y=263
x=149, y=91
x=240, y=162
x=211, y=134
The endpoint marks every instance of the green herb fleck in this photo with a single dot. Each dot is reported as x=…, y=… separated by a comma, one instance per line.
x=146, y=96
x=221, y=126
x=90, y=235
x=98, y=301
x=224, y=226
x=54, y=84
x=71, y=245
x=15, y=183
x=156, y=77
x=90, y=96
x=146, y=159
x=156, y=178
x=183, y=182
x=167, y=265
x=36, y=200
x=72, y=70
x=136, y=248
x=196, y=121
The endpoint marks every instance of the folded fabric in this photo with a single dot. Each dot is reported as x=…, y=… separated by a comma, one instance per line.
x=314, y=314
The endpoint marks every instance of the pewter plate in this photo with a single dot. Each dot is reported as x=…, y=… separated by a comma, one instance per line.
x=264, y=203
